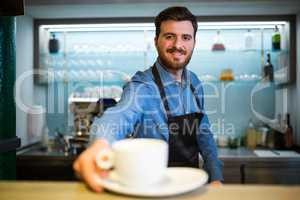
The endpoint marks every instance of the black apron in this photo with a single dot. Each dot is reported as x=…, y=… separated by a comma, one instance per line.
x=183, y=145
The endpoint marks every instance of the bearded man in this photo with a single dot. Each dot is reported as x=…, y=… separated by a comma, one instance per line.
x=164, y=102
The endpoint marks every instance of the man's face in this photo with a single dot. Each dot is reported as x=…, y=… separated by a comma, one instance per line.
x=175, y=44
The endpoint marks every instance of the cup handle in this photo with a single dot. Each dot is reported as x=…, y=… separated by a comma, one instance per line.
x=105, y=159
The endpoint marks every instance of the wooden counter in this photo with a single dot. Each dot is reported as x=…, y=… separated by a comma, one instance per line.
x=17, y=190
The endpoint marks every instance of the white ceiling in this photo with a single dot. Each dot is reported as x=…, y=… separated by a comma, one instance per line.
x=144, y=8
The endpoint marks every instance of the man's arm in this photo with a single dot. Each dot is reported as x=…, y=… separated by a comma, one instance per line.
x=120, y=120
x=207, y=146
x=208, y=149
x=113, y=125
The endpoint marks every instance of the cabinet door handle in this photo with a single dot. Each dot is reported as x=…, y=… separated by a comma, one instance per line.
x=242, y=172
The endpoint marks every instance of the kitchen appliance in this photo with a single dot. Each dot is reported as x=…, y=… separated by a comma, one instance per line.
x=84, y=111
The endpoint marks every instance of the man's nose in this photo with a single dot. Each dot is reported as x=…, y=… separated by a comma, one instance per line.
x=178, y=43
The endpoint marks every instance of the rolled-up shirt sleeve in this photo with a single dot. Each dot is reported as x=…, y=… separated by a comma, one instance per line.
x=119, y=121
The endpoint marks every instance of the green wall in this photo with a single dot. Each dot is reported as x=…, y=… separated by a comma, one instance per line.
x=7, y=105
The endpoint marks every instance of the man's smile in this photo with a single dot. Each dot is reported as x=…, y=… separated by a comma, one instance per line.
x=176, y=51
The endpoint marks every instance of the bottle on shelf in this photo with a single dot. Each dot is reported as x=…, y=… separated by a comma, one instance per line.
x=45, y=136
x=53, y=44
x=288, y=133
x=251, y=135
x=276, y=39
x=268, y=69
x=218, y=43
x=262, y=136
x=226, y=75
x=249, y=40
x=222, y=140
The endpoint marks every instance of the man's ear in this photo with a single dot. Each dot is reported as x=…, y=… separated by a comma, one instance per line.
x=195, y=42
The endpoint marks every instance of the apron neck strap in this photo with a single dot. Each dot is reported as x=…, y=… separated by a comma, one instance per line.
x=158, y=82
x=197, y=99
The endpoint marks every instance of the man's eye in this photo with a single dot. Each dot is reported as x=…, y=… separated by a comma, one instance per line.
x=186, y=37
x=169, y=37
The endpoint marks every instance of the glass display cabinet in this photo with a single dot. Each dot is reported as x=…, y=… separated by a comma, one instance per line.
x=85, y=60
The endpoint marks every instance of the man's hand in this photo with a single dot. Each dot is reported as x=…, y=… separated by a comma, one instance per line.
x=215, y=183
x=86, y=168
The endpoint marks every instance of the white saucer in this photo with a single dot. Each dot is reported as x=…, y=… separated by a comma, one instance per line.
x=177, y=180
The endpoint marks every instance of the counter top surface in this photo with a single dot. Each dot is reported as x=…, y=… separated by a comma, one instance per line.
x=244, y=154
x=238, y=154
x=75, y=190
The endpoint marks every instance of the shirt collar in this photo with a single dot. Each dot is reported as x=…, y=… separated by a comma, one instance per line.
x=167, y=78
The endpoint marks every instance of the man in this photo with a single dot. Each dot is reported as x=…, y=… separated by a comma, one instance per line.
x=164, y=102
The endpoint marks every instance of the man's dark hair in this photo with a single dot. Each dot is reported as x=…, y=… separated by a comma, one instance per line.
x=176, y=14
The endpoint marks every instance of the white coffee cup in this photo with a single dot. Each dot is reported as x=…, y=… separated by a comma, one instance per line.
x=136, y=162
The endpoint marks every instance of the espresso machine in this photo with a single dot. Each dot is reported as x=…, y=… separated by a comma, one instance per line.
x=84, y=112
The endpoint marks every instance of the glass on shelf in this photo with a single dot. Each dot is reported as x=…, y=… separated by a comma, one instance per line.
x=97, y=92
x=248, y=77
x=207, y=77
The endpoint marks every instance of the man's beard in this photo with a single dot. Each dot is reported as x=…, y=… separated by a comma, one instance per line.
x=173, y=65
